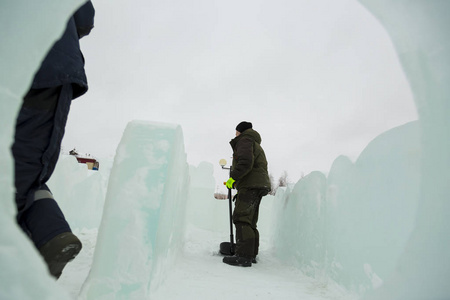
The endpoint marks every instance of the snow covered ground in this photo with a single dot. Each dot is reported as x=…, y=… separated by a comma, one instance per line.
x=200, y=274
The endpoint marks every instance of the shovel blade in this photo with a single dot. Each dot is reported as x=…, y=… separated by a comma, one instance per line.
x=226, y=248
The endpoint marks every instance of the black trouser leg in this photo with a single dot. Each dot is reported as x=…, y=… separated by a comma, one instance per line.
x=37, y=142
x=245, y=218
x=255, y=229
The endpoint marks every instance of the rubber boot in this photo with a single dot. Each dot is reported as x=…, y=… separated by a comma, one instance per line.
x=60, y=250
x=238, y=261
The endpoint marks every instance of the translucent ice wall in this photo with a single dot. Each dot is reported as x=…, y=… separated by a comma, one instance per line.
x=80, y=192
x=203, y=210
x=384, y=222
x=354, y=225
x=27, y=30
x=143, y=218
x=419, y=31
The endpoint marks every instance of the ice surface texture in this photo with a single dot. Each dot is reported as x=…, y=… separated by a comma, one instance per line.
x=143, y=219
x=419, y=31
x=353, y=226
x=27, y=30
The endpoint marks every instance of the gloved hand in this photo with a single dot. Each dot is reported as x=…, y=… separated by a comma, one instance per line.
x=230, y=183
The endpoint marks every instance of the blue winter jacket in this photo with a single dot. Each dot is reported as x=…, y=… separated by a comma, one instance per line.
x=64, y=62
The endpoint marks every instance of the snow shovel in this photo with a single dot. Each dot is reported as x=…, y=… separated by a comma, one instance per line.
x=227, y=248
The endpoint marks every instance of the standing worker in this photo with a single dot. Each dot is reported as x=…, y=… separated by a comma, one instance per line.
x=39, y=131
x=250, y=177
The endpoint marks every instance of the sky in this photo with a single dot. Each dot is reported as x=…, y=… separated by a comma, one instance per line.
x=317, y=79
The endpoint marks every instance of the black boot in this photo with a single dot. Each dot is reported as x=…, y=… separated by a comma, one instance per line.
x=59, y=251
x=238, y=261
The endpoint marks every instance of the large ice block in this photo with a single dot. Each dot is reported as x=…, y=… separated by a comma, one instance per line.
x=353, y=225
x=419, y=32
x=143, y=218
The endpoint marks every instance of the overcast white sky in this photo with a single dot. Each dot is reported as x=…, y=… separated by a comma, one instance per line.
x=316, y=78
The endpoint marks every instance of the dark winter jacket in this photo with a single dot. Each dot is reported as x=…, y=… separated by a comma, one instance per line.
x=249, y=167
x=64, y=62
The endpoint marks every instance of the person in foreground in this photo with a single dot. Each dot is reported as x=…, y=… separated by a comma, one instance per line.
x=250, y=177
x=39, y=131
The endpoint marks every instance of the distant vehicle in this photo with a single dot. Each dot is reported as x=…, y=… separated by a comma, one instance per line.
x=91, y=163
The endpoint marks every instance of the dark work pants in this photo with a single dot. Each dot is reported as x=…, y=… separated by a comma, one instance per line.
x=39, y=131
x=245, y=218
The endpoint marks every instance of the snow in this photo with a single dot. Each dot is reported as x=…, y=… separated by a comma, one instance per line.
x=200, y=274
x=373, y=229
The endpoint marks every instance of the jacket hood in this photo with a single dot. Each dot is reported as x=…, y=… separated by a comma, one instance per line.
x=249, y=167
x=253, y=134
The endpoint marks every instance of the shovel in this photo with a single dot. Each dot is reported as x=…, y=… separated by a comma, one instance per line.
x=227, y=248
